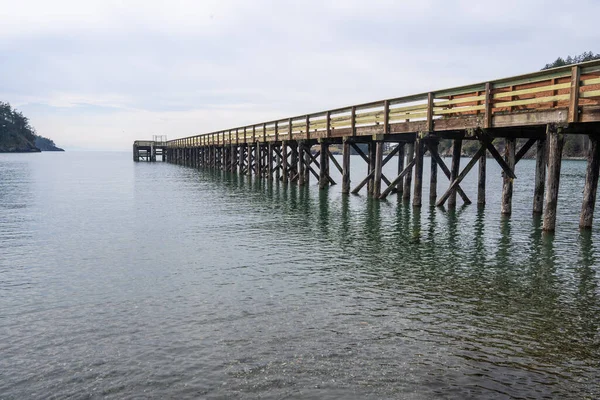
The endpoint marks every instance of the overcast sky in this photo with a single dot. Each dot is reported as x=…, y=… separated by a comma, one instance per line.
x=100, y=74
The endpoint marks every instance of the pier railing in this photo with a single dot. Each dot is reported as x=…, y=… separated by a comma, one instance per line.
x=516, y=101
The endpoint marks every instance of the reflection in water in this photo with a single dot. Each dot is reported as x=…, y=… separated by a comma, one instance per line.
x=242, y=286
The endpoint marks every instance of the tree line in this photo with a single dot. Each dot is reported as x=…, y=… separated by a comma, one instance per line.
x=14, y=123
x=17, y=134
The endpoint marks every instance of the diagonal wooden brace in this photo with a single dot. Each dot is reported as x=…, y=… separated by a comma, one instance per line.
x=436, y=156
x=392, y=184
x=454, y=185
x=363, y=183
x=334, y=161
x=490, y=147
x=360, y=152
x=521, y=153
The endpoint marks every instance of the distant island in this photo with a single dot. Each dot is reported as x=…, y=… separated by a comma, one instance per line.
x=17, y=136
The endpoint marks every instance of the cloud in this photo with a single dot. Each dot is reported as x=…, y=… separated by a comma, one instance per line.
x=84, y=70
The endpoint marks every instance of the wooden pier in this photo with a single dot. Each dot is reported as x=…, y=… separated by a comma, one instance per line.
x=148, y=150
x=538, y=108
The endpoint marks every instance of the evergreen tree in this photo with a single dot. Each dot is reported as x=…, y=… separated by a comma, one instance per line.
x=583, y=57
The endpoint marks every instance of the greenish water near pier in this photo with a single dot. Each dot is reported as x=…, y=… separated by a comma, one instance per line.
x=122, y=279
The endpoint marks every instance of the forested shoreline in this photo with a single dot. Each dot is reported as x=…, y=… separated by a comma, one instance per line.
x=18, y=136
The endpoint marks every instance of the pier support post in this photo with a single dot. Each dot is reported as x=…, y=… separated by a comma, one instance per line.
x=371, y=170
x=324, y=162
x=378, y=166
x=410, y=156
x=556, y=142
x=419, y=150
x=591, y=185
x=400, y=184
x=481, y=180
x=294, y=160
x=270, y=154
x=507, y=182
x=541, y=159
x=301, y=165
x=307, y=160
x=455, y=169
x=346, y=167
x=258, y=159
x=433, y=174
x=250, y=155
x=233, y=157
x=241, y=159
x=284, y=162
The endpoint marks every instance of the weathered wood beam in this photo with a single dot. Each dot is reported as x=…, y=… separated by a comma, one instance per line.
x=390, y=155
x=284, y=162
x=360, y=152
x=481, y=177
x=433, y=175
x=556, y=142
x=524, y=149
x=410, y=155
x=541, y=160
x=454, y=169
x=402, y=174
x=507, y=182
x=363, y=182
x=591, y=185
x=574, y=94
x=324, y=170
x=454, y=184
x=301, y=165
x=313, y=158
x=294, y=160
x=307, y=148
x=346, y=167
x=377, y=168
x=435, y=155
x=492, y=149
x=418, y=194
x=372, y=161
x=334, y=161
x=400, y=184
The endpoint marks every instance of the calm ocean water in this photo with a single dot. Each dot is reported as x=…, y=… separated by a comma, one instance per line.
x=137, y=280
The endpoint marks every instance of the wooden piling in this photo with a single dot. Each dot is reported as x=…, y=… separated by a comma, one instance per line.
x=241, y=159
x=270, y=153
x=541, y=159
x=301, y=166
x=418, y=194
x=294, y=160
x=591, y=185
x=376, y=189
x=284, y=162
x=307, y=159
x=455, y=169
x=250, y=161
x=401, y=151
x=507, y=181
x=324, y=163
x=433, y=175
x=410, y=156
x=372, y=155
x=258, y=160
x=346, y=167
x=481, y=180
x=556, y=142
